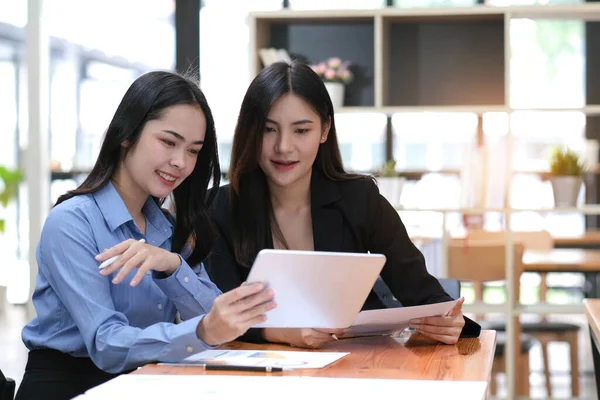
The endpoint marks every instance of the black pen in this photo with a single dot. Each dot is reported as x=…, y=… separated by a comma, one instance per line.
x=252, y=368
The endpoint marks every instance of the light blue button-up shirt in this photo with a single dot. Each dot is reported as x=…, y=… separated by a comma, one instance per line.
x=84, y=314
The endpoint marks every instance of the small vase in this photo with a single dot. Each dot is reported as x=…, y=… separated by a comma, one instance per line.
x=336, y=92
x=566, y=190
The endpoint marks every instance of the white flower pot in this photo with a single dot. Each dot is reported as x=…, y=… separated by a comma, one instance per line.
x=336, y=92
x=391, y=188
x=566, y=190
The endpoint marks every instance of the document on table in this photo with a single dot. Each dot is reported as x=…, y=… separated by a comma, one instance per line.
x=267, y=358
x=392, y=320
x=209, y=387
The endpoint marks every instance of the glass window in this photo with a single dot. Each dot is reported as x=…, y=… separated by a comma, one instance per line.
x=140, y=31
x=547, y=63
x=534, y=135
x=431, y=141
x=362, y=140
x=8, y=153
x=14, y=12
x=224, y=62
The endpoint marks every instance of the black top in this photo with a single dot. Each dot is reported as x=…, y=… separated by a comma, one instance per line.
x=347, y=216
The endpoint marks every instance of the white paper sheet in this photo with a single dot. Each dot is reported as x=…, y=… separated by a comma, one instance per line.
x=209, y=387
x=391, y=320
x=284, y=359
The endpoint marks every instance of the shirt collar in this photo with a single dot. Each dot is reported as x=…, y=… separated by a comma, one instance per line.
x=116, y=214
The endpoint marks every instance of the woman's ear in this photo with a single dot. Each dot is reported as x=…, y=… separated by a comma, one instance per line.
x=125, y=144
x=325, y=133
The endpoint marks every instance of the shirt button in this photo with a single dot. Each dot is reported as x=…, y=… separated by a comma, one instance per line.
x=186, y=279
x=159, y=306
x=189, y=349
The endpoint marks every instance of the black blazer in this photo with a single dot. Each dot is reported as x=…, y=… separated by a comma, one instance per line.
x=348, y=216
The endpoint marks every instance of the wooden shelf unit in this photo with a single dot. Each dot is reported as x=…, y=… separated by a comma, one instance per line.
x=438, y=59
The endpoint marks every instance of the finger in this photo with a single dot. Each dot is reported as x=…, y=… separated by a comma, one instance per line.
x=119, y=262
x=438, y=330
x=143, y=268
x=129, y=260
x=259, y=319
x=436, y=321
x=242, y=291
x=258, y=310
x=252, y=301
x=115, y=250
x=447, y=339
x=322, y=336
x=331, y=331
x=457, y=309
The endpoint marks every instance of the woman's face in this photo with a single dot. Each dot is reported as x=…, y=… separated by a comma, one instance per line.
x=167, y=150
x=291, y=140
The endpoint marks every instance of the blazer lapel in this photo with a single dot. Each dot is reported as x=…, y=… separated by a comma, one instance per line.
x=327, y=219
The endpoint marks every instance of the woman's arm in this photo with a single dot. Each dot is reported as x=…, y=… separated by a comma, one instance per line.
x=190, y=289
x=404, y=272
x=66, y=257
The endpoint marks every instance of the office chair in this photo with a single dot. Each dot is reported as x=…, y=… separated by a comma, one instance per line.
x=543, y=331
x=484, y=261
x=7, y=387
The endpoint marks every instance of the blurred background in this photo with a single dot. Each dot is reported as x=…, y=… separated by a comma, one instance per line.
x=84, y=54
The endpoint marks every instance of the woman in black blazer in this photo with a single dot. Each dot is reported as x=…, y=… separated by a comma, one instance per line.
x=289, y=190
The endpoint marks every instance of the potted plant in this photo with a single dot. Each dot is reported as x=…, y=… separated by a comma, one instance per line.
x=9, y=185
x=390, y=184
x=566, y=176
x=336, y=74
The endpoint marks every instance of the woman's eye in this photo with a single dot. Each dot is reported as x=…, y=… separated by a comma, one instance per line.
x=269, y=129
x=194, y=152
x=168, y=142
x=302, y=130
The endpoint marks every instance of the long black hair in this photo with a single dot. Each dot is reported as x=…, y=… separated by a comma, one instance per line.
x=253, y=217
x=145, y=100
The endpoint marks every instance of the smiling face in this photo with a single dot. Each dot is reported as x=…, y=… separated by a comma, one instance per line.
x=291, y=140
x=166, y=152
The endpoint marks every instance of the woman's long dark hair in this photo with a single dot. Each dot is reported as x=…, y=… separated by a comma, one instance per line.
x=253, y=218
x=145, y=100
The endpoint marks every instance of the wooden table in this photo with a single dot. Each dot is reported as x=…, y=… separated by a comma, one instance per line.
x=592, y=312
x=589, y=238
x=562, y=260
x=380, y=357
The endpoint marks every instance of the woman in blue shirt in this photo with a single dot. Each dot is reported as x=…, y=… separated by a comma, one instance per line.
x=92, y=324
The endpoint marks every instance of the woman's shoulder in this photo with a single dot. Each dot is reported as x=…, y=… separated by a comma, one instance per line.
x=361, y=187
x=77, y=205
x=76, y=211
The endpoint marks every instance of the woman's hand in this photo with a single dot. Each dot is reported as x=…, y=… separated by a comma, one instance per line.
x=445, y=329
x=301, y=337
x=234, y=312
x=134, y=254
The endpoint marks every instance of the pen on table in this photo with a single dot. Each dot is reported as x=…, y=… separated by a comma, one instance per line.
x=252, y=368
x=111, y=260
x=335, y=337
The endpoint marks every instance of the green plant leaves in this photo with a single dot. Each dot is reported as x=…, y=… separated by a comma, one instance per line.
x=10, y=186
x=565, y=162
x=389, y=169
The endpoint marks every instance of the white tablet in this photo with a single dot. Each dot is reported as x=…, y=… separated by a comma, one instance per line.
x=315, y=289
